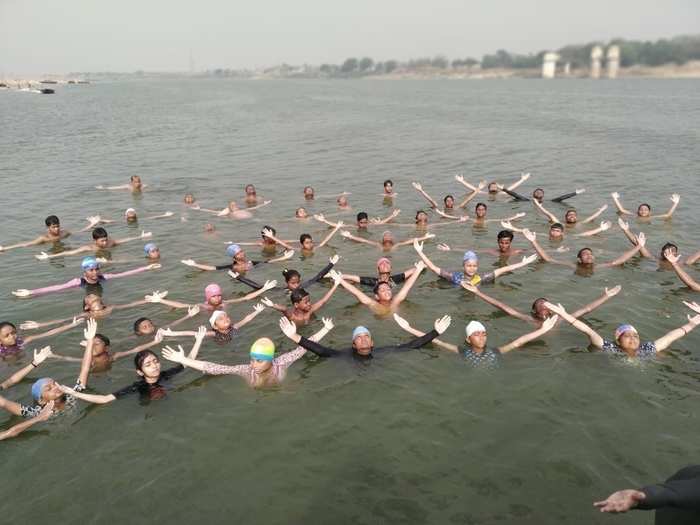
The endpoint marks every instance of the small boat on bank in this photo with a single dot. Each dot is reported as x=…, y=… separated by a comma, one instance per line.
x=46, y=91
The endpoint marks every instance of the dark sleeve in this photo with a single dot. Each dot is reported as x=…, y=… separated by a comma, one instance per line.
x=682, y=490
x=133, y=387
x=488, y=278
x=414, y=343
x=368, y=281
x=228, y=266
x=249, y=282
x=316, y=348
x=170, y=372
x=320, y=275
x=516, y=196
x=255, y=263
x=564, y=197
x=399, y=277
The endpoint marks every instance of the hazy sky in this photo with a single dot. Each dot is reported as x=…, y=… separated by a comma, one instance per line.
x=43, y=36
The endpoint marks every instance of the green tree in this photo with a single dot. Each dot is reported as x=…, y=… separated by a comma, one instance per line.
x=349, y=66
x=366, y=64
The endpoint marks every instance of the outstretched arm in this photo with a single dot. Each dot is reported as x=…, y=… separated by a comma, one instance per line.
x=664, y=342
x=523, y=178
x=470, y=187
x=268, y=234
x=22, y=292
x=419, y=188
x=43, y=256
x=39, y=357
x=675, y=199
x=526, y=338
x=680, y=271
x=161, y=216
x=387, y=219
x=693, y=258
x=264, y=203
x=462, y=218
x=288, y=254
x=276, y=306
x=89, y=333
x=21, y=427
x=516, y=196
x=156, y=341
x=328, y=237
x=622, y=259
x=323, y=300
x=414, y=239
x=404, y=324
x=595, y=215
x=562, y=198
x=322, y=218
x=403, y=293
x=532, y=237
x=604, y=226
x=248, y=318
x=191, y=263
x=495, y=302
x=269, y=285
x=55, y=331
x=432, y=266
x=144, y=235
x=352, y=237
x=132, y=272
x=38, y=240
x=620, y=208
x=625, y=227
x=593, y=336
x=549, y=214
x=512, y=267
x=359, y=295
x=120, y=187
x=470, y=197
x=607, y=295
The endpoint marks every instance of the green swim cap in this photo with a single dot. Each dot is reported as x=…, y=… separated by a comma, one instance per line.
x=263, y=349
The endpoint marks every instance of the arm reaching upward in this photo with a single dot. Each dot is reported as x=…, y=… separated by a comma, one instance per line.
x=495, y=302
x=39, y=357
x=509, y=226
x=470, y=187
x=269, y=285
x=523, y=178
x=526, y=338
x=625, y=227
x=664, y=342
x=58, y=330
x=403, y=293
x=248, y=318
x=604, y=226
x=432, y=266
x=512, y=267
x=595, y=215
x=472, y=195
x=268, y=234
x=562, y=198
x=359, y=295
x=17, y=429
x=276, y=306
x=532, y=237
x=404, y=324
x=620, y=208
x=321, y=218
x=593, y=336
x=607, y=295
x=288, y=254
x=675, y=199
x=622, y=259
x=419, y=188
x=352, y=237
x=682, y=274
x=552, y=218
x=328, y=237
x=387, y=219
x=323, y=300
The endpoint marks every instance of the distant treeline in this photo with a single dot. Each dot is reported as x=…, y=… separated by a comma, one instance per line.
x=678, y=50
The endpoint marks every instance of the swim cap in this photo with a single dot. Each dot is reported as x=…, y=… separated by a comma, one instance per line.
x=38, y=386
x=126, y=213
x=469, y=256
x=263, y=349
x=214, y=316
x=475, y=326
x=622, y=329
x=89, y=263
x=211, y=290
x=148, y=247
x=383, y=260
x=232, y=250
x=387, y=234
x=360, y=330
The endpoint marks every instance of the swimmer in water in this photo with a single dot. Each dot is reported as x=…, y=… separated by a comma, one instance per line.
x=269, y=241
x=131, y=217
x=539, y=312
x=306, y=242
x=303, y=309
x=213, y=298
x=504, y=251
x=476, y=352
x=388, y=243
x=585, y=260
x=384, y=301
x=239, y=261
x=15, y=408
x=54, y=233
x=470, y=263
x=480, y=215
x=449, y=200
x=493, y=188
x=343, y=203
x=664, y=263
x=571, y=215
x=363, y=348
x=293, y=277
x=383, y=275
x=135, y=185
x=388, y=189
x=91, y=278
x=12, y=344
x=363, y=220
x=674, y=260
x=232, y=211
x=264, y=369
x=188, y=199
x=627, y=341
x=152, y=383
x=101, y=242
x=301, y=213
x=538, y=195
x=251, y=195
x=144, y=326
x=644, y=210
x=223, y=329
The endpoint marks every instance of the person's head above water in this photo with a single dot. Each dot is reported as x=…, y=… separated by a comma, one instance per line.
x=387, y=239
x=668, y=246
x=135, y=181
x=388, y=186
x=644, y=210
x=93, y=303
x=130, y=215
x=209, y=227
x=470, y=263
x=301, y=300
x=480, y=210
x=308, y=193
x=100, y=236
x=570, y=216
x=342, y=201
x=267, y=240
x=476, y=335
x=262, y=354
x=8, y=334
x=556, y=231
x=493, y=188
x=421, y=217
x=213, y=294
x=307, y=243
x=53, y=224
x=383, y=292
x=151, y=250
x=585, y=256
x=362, y=341
x=538, y=194
x=45, y=390
x=220, y=321
x=144, y=326
x=91, y=269
x=383, y=266
x=236, y=252
x=449, y=202
x=539, y=310
x=250, y=190
x=292, y=278
x=362, y=220
x=147, y=365
x=301, y=213
x=626, y=337
x=505, y=239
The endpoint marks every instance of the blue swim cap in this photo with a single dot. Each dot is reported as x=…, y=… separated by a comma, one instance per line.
x=38, y=386
x=360, y=330
x=469, y=256
x=89, y=263
x=232, y=250
x=148, y=247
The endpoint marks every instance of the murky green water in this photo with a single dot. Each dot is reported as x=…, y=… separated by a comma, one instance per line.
x=414, y=438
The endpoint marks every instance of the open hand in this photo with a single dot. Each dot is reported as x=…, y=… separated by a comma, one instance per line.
x=46, y=411
x=41, y=355
x=328, y=323
x=345, y=234
x=192, y=310
x=146, y=235
x=530, y=258
x=90, y=329
x=418, y=245
x=442, y=324
x=168, y=214
x=675, y=198
x=620, y=501
x=417, y=186
x=259, y=307
x=29, y=325
x=693, y=306
x=267, y=302
x=269, y=285
x=22, y=292
x=529, y=235
x=176, y=356
x=288, y=328
x=612, y=292
x=334, y=259
x=402, y=322
x=443, y=247
x=605, y=225
x=43, y=256
x=201, y=333
x=548, y=323
x=155, y=266
x=624, y=225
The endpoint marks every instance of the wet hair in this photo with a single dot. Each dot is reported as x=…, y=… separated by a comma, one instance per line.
x=362, y=215
x=288, y=274
x=103, y=338
x=297, y=295
x=274, y=232
x=419, y=212
x=505, y=234
x=308, y=188
x=481, y=204
x=578, y=255
x=388, y=181
x=448, y=197
x=138, y=322
x=538, y=190
x=378, y=285
x=249, y=186
x=140, y=357
x=99, y=233
x=644, y=204
x=533, y=309
x=51, y=220
x=665, y=247
x=303, y=237
x=3, y=324
x=557, y=226
x=132, y=178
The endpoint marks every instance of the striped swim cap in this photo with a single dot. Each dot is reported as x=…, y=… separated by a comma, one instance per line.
x=263, y=349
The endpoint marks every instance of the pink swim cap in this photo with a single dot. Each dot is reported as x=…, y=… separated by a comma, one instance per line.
x=383, y=260
x=211, y=290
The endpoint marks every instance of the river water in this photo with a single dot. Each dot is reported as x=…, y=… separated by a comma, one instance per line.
x=417, y=437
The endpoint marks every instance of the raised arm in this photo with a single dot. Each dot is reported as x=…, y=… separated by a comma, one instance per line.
x=352, y=237
x=288, y=254
x=39, y=357
x=516, y=196
x=328, y=237
x=86, y=363
x=198, y=338
x=192, y=264
x=526, y=338
x=269, y=285
x=248, y=318
x=419, y=188
x=604, y=226
x=593, y=336
x=387, y=219
x=532, y=237
x=512, y=267
x=441, y=213
x=359, y=295
x=680, y=271
x=625, y=227
x=693, y=258
x=322, y=218
x=404, y=324
x=332, y=261
x=495, y=302
x=509, y=226
x=144, y=235
x=23, y=292
x=145, y=346
x=523, y=178
x=268, y=234
x=595, y=215
x=414, y=239
x=675, y=199
x=38, y=240
x=311, y=344
x=403, y=293
x=432, y=266
x=664, y=342
x=17, y=429
x=549, y=214
x=607, y=295
x=323, y=300
x=622, y=259
x=133, y=271
x=58, y=330
x=470, y=187
x=562, y=198
x=470, y=196
x=620, y=208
